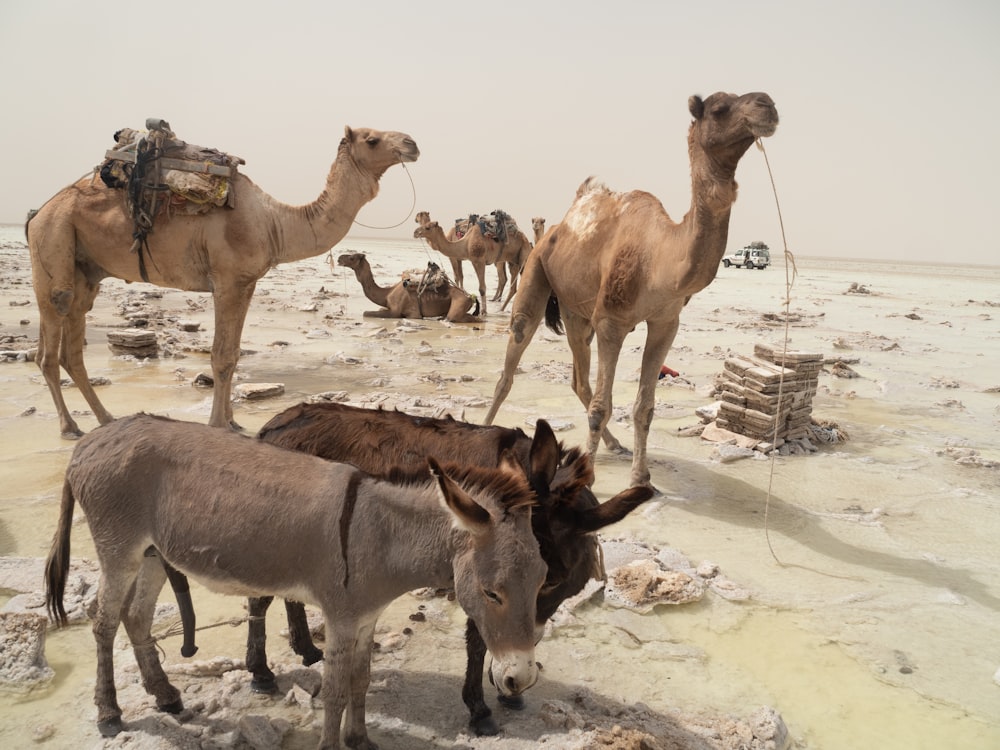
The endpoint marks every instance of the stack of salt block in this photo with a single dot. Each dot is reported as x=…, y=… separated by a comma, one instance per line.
x=750, y=394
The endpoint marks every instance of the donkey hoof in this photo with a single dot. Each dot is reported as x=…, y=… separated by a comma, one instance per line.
x=172, y=708
x=513, y=702
x=485, y=727
x=312, y=657
x=110, y=727
x=265, y=685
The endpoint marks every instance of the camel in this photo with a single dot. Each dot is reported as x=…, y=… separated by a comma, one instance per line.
x=409, y=300
x=617, y=260
x=481, y=251
x=565, y=520
x=84, y=234
x=207, y=502
x=538, y=226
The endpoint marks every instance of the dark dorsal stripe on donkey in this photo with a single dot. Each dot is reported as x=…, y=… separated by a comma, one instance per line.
x=374, y=440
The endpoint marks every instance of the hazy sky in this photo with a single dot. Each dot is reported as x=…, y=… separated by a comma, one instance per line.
x=888, y=145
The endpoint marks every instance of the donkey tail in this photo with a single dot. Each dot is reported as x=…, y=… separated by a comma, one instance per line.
x=57, y=565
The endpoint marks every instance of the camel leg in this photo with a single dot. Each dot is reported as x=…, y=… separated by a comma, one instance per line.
x=456, y=272
x=524, y=319
x=610, y=338
x=355, y=732
x=578, y=335
x=501, y=281
x=480, y=268
x=231, y=306
x=137, y=616
x=480, y=716
x=73, y=338
x=515, y=272
x=658, y=343
x=263, y=677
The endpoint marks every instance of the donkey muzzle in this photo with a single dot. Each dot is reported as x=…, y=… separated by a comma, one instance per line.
x=513, y=673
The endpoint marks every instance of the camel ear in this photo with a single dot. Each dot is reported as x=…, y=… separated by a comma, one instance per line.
x=434, y=224
x=543, y=458
x=348, y=134
x=696, y=107
x=466, y=513
x=613, y=510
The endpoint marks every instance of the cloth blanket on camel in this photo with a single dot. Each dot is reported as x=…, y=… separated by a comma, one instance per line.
x=496, y=225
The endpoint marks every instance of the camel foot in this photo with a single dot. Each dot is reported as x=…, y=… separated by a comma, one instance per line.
x=263, y=685
x=110, y=727
x=359, y=742
x=172, y=708
x=484, y=726
x=73, y=433
x=513, y=702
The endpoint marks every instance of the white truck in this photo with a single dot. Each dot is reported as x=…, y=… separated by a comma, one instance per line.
x=749, y=257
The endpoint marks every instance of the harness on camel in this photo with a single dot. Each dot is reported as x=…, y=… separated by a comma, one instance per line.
x=162, y=175
x=495, y=225
x=431, y=280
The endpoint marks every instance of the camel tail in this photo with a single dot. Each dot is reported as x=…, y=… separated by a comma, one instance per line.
x=32, y=213
x=553, y=319
x=57, y=565
x=475, y=309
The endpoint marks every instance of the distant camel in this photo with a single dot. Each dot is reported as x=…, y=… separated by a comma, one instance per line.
x=84, y=234
x=617, y=260
x=538, y=226
x=408, y=300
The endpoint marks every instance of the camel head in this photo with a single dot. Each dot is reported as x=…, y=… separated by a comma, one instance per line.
x=726, y=124
x=374, y=151
x=425, y=229
x=538, y=223
x=354, y=261
x=423, y=217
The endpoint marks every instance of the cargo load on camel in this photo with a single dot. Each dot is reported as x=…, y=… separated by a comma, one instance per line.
x=495, y=225
x=161, y=174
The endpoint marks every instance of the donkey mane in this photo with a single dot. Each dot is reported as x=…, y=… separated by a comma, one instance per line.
x=510, y=488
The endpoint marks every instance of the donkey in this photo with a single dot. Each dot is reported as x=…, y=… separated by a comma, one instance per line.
x=376, y=440
x=246, y=518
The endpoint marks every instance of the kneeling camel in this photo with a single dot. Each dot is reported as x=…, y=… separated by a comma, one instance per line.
x=203, y=501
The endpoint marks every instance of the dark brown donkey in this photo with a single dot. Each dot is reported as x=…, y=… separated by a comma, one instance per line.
x=376, y=440
x=247, y=518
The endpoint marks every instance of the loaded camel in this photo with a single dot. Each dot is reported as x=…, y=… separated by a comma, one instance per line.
x=157, y=491
x=617, y=260
x=410, y=300
x=84, y=234
x=565, y=519
x=480, y=250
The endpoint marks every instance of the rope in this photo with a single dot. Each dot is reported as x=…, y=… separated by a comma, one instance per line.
x=789, y=261
x=413, y=190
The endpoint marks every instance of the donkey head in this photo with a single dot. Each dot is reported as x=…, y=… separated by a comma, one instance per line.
x=567, y=514
x=498, y=571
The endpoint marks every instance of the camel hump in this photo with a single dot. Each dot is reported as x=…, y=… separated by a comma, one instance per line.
x=591, y=185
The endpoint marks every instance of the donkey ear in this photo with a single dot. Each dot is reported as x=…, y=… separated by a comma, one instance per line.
x=611, y=511
x=543, y=458
x=467, y=513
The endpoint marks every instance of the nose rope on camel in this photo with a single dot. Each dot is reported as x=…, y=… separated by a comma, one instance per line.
x=413, y=192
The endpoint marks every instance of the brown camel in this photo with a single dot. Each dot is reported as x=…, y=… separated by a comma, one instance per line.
x=84, y=234
x=617, y=260
x=409, y=300
x=538, y=226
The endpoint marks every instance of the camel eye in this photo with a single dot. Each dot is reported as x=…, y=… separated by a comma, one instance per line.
x=721, y=111
x=371, y=141
x=492, y=596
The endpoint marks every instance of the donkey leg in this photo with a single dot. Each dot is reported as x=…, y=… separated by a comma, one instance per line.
x=111, y=595
x=298, y=633
x=356, y=733
x=138, y=618
x=336, y=679
x=263, y=677
x=480, y=716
